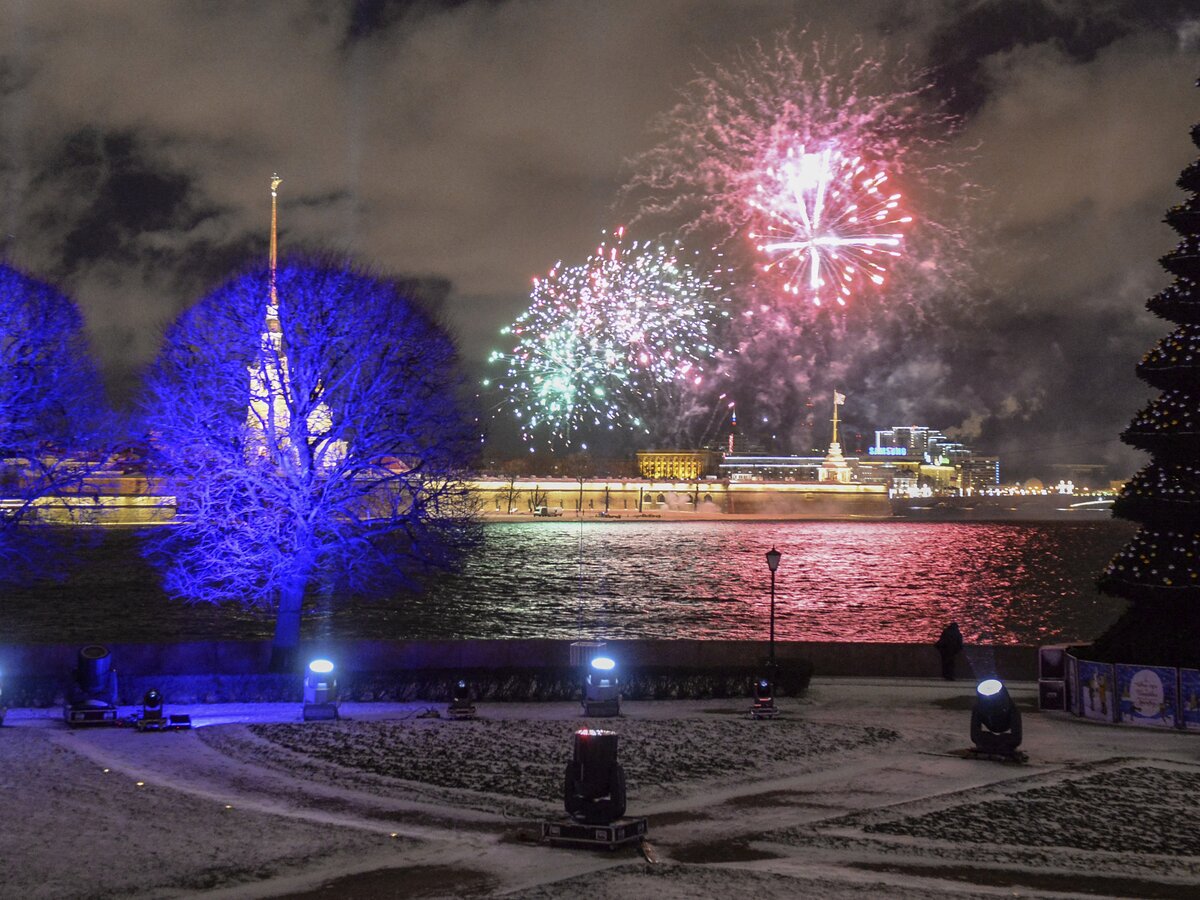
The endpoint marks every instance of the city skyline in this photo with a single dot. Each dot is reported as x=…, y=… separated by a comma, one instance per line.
x=475, y=144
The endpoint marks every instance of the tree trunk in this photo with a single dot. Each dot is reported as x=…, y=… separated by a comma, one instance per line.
x=285, y=648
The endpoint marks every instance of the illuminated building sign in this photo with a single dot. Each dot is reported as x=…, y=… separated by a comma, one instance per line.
x=887, y=451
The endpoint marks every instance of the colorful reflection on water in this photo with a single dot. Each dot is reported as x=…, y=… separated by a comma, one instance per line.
x=1004, y=582
x=1025, y=583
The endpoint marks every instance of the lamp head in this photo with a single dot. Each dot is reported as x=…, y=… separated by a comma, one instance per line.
x=601, y=687
x=989, y=687
x=602, y=674
x=320, y=685
x=773, y=557
x=994, y=705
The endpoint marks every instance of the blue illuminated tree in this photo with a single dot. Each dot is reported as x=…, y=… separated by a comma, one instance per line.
x=316, y=443
x=50, y=405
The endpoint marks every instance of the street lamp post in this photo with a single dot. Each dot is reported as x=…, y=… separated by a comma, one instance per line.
x=773, y=557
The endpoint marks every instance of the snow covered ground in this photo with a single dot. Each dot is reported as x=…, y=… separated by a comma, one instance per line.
x=856, y=791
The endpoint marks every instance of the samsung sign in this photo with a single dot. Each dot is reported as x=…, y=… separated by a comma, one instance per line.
x=887, y=451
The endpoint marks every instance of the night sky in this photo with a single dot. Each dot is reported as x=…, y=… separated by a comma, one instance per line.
x=476, y=143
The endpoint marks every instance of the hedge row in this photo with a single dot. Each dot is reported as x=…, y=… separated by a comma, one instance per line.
x=430, y=685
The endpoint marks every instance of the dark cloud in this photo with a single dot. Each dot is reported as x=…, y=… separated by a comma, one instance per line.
x=478, y=142
x=974, y=30
x=126, y=194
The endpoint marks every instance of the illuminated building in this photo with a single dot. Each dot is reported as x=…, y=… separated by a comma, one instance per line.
x=677, y=465
x=916, y=458
x=915, y=440
x=621, y=497
x=834, y=467
x=1082, y=475
x=101, y=489
x=979, y=472
x=270, y=385
x=772, y=468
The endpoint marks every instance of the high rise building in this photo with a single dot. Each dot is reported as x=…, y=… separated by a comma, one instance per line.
x=913, y=456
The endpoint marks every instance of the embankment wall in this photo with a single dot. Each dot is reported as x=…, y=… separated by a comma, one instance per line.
x=249, y=657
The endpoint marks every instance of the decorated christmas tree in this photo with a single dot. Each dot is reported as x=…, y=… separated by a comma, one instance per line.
x=1159, y=570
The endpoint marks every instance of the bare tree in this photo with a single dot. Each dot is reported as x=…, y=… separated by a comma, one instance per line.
x=511, y=470
x=50, y=408
x=507, y=496
x=538, y=497
x=312, y=427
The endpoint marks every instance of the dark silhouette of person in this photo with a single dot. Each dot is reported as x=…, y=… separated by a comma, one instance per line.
x=949, y=645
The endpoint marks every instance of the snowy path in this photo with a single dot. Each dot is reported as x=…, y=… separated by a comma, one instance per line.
x=854, y=793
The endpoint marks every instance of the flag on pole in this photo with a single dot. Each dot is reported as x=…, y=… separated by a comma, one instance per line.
x=838, y=399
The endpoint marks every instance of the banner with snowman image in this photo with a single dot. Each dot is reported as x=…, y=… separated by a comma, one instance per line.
x=1148, y=696
x=1096, y=690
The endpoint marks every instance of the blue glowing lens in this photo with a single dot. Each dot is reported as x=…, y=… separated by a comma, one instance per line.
x=763, y=683
x=462, y=684
x=603, y=663
x=320, y=667
x=989, y=688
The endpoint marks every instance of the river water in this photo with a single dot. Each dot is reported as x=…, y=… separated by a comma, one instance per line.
x=1003, y=582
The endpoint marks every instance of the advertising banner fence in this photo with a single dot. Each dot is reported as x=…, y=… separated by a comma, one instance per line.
x=1149, y=695
x=1143, y=696
x=1073, y=685
x=1189, y=699
x=1097, y=697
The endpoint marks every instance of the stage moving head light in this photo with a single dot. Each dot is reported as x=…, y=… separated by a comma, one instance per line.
x=602, y=688
x=594, y=786
x=154, y=718
x=764, y=699
x=93, y=670
x=995, y=719
x=320, y=691
x=92, y=696
x=461, y=705
x=762, y=689
x=152, y=704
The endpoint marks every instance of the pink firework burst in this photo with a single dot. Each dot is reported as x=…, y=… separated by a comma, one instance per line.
x=828, y=223
x=799, y=143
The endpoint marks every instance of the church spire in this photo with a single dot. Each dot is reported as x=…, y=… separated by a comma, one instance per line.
x=273, y=307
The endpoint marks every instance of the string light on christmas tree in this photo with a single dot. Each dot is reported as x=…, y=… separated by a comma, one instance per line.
x=1174, y=359
x=1160, y=559
x=1167, y=420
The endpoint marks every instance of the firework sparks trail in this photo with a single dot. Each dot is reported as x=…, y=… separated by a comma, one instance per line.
x=770, y=143
x=602, y=341
x=829, y=224
x=798, y=143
